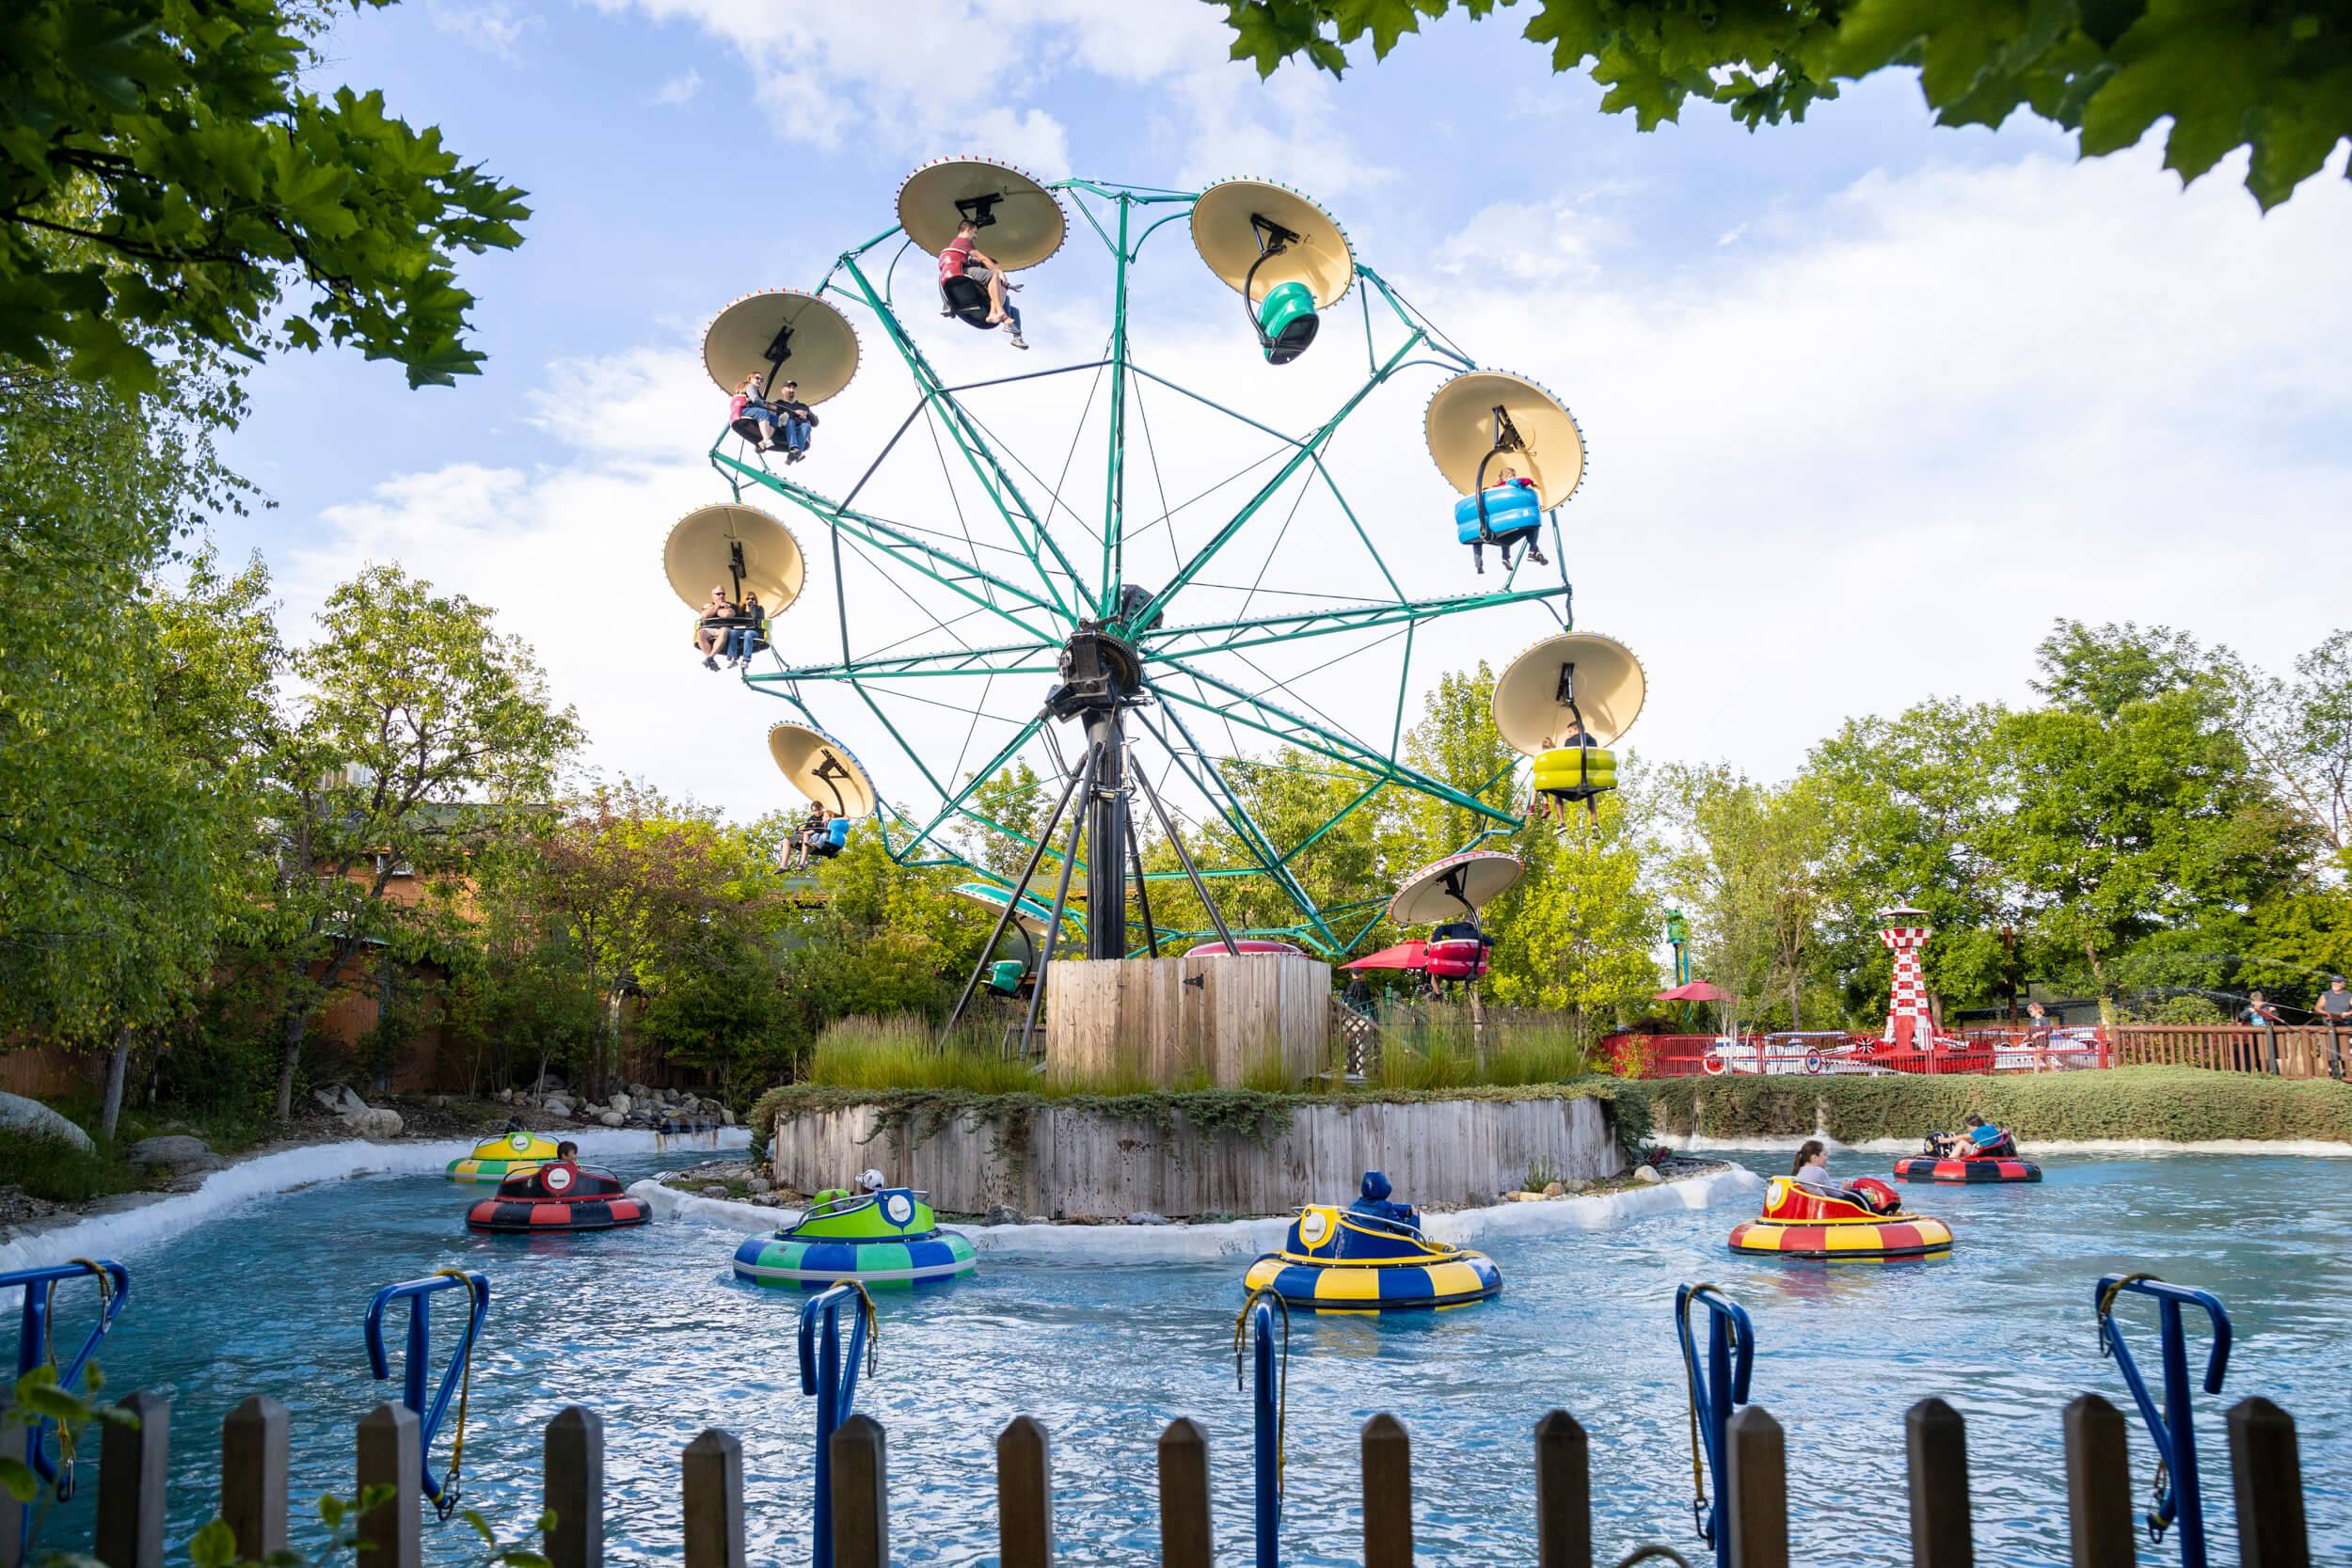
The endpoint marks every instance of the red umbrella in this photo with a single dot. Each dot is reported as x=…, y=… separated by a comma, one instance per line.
x=1404, y=955
x=1697, y=990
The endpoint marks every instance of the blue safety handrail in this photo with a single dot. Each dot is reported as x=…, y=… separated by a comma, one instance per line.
x=833, y=1383
x=416, y=1361
x=36, y=1325
x=1269, y=1413
x=2173, y=1432
x=1724, y=1383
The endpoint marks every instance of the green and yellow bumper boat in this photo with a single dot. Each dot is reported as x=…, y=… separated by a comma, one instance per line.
x=885, y=1238
x=508, y=1154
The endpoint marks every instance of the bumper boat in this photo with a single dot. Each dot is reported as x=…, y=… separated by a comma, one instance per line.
x=1370, y=1257
x=557, y=1196
x=886, y=1236
x=1998, y=1163
x=1799, y=1221
x=508, y=1154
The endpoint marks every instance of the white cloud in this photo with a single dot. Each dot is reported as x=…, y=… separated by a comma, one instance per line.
x=681, y=88
x=1863, y=456
x=493, y=26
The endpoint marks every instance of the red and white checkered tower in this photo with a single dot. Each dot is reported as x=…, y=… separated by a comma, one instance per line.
x=1909, y=1026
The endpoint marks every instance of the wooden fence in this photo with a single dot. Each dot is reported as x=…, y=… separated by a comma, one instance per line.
x=2100, y=1493
x=2315, y=1051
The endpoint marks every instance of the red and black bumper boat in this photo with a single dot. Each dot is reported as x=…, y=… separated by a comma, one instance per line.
x=558, y=1196
x=1999, y=1162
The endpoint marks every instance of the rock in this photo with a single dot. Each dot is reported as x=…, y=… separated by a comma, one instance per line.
x=768, y=1201
x=1577, y=1186
x=726, y=1117
x=168, y=1151
x=639, y=1091
x=376, y=1122
x=1147, y=1217
x=1525, y=1197
x=715, y=1189
x=761, y=1184
x=556, y=1106
x=330, y=1097
x=999, y=1214
x=613, y=1119
x=352, y=1105
x=619, y=1102
x=440, y=1103
x=1646, y=1173
x=1555, y=1189
x=551, y=1084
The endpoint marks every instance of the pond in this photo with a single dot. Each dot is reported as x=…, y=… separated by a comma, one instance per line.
x=647, y=1327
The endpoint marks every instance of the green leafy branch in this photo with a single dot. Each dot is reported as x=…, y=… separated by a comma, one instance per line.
x=2275, y=77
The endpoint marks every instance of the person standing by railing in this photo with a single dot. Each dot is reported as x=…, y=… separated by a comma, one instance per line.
x=2262, y=1016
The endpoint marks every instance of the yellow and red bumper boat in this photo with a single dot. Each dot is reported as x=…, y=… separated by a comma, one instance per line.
x=1865, y=1223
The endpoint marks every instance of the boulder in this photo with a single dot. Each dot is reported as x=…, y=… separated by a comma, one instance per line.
x=761, y=1184
x=23, y=1115
x=613, y=1118
x=556, y=1106
x=373, y=1122
x=331, y=1097
x=726, y=1117
x=170, y=1149
x=1147, y=1217
x=999, y=1214
x=1646, y=1173
x=619, y=1102
x=715, y=1189
x=1555, y=1189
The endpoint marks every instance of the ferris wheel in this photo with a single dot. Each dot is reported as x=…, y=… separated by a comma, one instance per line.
x=1142, y=631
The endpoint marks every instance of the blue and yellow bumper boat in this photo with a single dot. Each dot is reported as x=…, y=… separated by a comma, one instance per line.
x=1370, y=1257
x=885, y=1238
x=508, y=1154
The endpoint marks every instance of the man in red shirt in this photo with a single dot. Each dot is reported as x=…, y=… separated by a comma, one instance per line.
x=962, y=258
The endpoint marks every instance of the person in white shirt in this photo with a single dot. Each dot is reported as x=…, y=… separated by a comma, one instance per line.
x=1812, y=1169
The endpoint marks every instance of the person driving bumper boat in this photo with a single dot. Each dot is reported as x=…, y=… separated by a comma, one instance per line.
x=1375, y=1203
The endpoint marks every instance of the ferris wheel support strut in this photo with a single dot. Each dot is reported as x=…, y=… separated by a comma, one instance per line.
x=986, y=466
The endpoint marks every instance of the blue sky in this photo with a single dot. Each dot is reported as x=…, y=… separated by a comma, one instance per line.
x=1868, y=401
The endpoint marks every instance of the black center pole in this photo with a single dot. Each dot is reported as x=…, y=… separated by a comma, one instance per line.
x=1106, y=836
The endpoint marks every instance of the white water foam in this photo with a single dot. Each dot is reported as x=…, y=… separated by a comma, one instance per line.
x=1699, y=1143
x=124, y=1230
x=1167, y=1244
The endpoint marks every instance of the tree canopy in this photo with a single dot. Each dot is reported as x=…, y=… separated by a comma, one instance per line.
x=167, y=183
x=2277, y=79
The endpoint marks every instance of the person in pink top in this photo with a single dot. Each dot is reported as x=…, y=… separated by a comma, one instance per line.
x=962, y=258
x=748, y=400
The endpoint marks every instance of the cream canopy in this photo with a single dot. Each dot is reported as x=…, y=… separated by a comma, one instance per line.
x=1530, y=700
x=1460, y=426
x=818, y=343
x=1026, y=223
x=710, y=547
x=1229, y=243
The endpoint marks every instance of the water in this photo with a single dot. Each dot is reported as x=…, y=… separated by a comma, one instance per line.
x=647, y=1327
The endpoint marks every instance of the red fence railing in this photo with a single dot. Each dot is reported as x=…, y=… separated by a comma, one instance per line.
x=1976, y=1050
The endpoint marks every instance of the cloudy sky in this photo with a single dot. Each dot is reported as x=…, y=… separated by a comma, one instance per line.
x=1869, y=401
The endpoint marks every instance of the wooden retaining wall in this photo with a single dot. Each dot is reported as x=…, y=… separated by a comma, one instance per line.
x=1078, y=1163
x=710, y=1517
x=1164, y=1020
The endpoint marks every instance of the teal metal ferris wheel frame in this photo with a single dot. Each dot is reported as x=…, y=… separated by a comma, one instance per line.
x=1047, y=610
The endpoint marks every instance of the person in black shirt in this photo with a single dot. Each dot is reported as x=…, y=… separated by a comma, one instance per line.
x=799, y=419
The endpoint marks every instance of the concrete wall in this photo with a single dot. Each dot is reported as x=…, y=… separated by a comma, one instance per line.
x=1081, y=1164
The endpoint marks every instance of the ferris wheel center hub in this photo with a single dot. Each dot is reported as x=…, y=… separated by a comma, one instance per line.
x=1101, y=672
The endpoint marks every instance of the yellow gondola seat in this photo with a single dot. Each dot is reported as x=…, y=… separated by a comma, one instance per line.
x=1569, y=769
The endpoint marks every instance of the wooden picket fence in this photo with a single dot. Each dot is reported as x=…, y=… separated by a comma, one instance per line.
x=2315, y=1051
x=2101, y=1498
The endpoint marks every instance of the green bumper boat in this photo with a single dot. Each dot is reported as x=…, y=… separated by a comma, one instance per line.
x=883, y=1237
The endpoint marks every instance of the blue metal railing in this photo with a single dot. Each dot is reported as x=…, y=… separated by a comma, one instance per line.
x=2174, y=1430
x=1269, y=1411
x=416, y=1362
x=35, y=1347
x=833, y=1380
x=1714, y=1392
